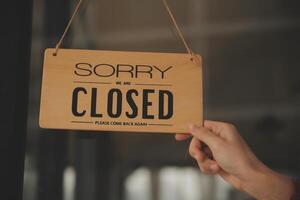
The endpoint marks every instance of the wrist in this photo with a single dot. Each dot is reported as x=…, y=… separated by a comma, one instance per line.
x=266, y=184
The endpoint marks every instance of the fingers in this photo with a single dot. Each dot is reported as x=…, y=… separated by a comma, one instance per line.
x=209, y=167
x=222, y=129
x=205, y=135
x=180, y=137
x=205, y=164
x=215, y=127
x=194, y=150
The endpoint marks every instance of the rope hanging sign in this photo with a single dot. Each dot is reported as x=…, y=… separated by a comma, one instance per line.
x=121, y=91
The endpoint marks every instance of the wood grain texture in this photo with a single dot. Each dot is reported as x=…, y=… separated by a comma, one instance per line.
x=123, y=71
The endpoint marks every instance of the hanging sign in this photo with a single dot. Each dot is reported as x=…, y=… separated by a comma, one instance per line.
x=121, y=91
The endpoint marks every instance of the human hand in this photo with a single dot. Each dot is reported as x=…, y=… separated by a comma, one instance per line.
x=220, y=150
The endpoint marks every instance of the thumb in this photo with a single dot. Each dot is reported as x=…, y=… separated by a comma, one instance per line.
x=205, y=135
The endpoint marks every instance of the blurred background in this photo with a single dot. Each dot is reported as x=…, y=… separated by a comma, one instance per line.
x=252, y=79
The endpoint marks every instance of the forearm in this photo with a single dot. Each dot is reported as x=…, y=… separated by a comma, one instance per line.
x=265, y=184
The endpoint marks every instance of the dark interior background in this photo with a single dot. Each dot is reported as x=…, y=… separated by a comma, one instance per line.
x=251, y=61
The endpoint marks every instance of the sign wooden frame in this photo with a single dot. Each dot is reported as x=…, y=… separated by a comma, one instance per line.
x=121, y=91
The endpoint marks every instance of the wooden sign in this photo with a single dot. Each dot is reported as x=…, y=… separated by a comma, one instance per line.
x=121, y=91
